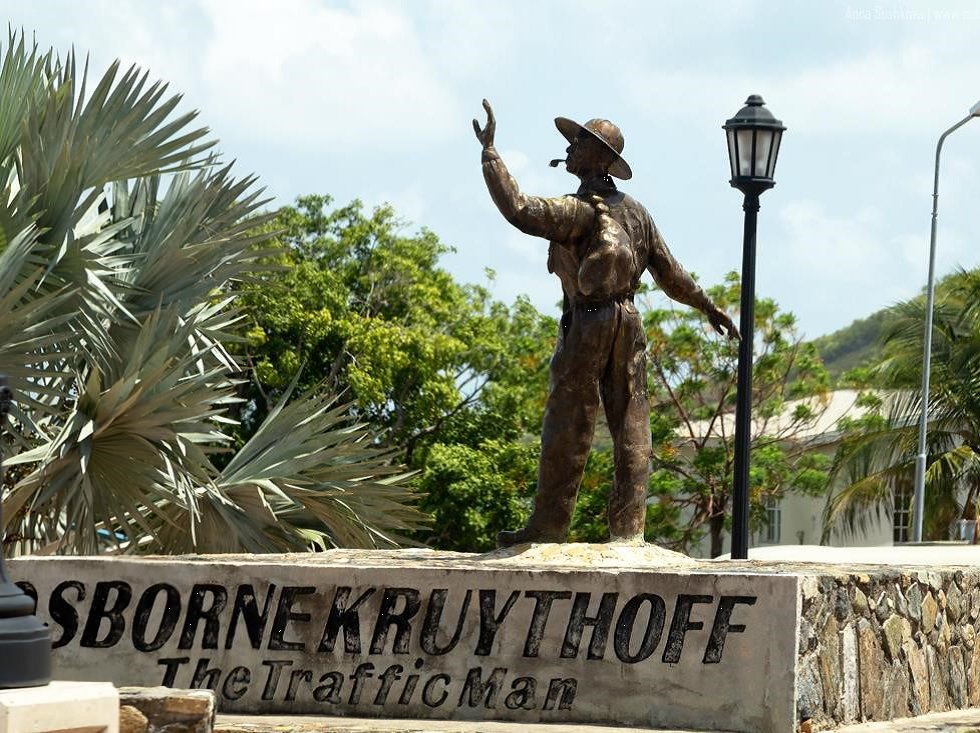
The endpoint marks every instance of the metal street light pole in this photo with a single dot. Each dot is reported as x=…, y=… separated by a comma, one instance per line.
x=25, y=643
x=754, y=136
x=743, y=394
x=918, y=501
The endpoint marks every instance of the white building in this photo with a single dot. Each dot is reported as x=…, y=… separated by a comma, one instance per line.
x=796, y=519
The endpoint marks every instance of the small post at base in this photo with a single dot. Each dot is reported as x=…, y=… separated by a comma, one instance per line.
x=92, y=707
x=25, y=642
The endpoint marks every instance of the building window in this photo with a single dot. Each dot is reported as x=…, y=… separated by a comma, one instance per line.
x=771, y=534
x=901, y=509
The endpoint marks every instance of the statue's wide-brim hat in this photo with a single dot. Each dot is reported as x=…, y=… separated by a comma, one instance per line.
x=606, y=133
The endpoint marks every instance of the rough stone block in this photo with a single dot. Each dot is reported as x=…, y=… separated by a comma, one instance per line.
x=929, y=609
x=60, y=707
x=896, y=697
x=830, y=673
x=173, y=711
x=938, y=676
x=808, y=694
x=897, y=632
x=871, y=667
x=850, y=699
x=973, y=677
x=132, y=720
x=919, y=677
x=957, y=678
x=913, y=597
x=860, y=602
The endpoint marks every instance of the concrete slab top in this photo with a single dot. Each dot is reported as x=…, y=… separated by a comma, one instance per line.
x=606, y=557
x=946, y=554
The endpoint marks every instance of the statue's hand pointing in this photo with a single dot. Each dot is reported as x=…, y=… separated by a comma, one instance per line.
x=720, y=321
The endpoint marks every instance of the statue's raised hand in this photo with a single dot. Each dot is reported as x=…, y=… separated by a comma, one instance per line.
x=485, y=136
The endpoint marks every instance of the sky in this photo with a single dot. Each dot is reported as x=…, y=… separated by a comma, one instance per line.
x=373, y=100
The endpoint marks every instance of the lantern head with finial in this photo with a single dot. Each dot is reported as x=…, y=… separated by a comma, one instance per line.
x=753, y=146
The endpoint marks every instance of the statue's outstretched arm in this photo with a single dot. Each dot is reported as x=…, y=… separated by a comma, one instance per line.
x=558, y=219
x=678, y=284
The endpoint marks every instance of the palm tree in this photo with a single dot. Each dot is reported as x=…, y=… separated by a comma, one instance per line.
x=121, y=238
x=879, y=453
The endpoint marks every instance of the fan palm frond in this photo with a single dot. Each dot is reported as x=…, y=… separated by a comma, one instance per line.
x=308, y=477
x=198, y=237
x=135, y=440
x=22, y=83
x=35, y=338
x=116, y=284
x=74, y=143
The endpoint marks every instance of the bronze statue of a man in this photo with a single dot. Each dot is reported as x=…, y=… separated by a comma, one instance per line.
x=601, y=242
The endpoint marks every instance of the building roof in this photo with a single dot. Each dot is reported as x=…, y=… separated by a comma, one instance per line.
x=829, y=408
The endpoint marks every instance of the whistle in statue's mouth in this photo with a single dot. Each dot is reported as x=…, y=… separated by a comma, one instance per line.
x=556, y=161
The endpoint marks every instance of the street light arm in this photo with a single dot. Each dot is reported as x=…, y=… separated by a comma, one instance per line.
x=939, y=149
x=918, y=497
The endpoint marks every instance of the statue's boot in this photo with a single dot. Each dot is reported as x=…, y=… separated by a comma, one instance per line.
x=509, y=538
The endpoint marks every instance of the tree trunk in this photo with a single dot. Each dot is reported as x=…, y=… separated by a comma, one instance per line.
x=717, y=532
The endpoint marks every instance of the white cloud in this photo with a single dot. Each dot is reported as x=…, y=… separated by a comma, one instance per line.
x=878, y=92
x=306, y=74
x=409, y=204
x=828, y=246
x=951, y=250
x=294, y=74
x=909, y=88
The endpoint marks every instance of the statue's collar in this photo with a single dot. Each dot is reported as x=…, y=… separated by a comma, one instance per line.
x=602, y=185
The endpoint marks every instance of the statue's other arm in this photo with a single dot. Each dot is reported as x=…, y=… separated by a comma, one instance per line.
x=559, y=219
x=678, y=284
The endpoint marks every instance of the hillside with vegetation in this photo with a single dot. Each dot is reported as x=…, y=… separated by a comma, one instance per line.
x=862, y=342
x=854, y=345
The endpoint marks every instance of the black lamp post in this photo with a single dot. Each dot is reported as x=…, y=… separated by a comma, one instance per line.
x=753, y=146
x=25, y=642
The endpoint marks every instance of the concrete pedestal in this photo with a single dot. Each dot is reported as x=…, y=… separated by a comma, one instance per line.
x=608, y=634
x=61, y=707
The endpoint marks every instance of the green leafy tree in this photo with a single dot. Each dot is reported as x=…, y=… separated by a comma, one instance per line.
x=473, y=492
x=366, y=308
x=119, y=245
x=692, y=384
x=879, y=451
x=455, y=379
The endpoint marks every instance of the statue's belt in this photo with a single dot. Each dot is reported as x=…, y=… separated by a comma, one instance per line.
x=594, y=305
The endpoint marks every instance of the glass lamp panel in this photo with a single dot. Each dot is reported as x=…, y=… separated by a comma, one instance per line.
x=777, y=138
x=744, y=143
x=763, y=144
x=732, y=154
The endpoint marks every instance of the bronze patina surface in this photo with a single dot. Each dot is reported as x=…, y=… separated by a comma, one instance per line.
x=601, y=242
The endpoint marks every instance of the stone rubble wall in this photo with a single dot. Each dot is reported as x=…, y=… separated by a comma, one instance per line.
x=887, y=644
